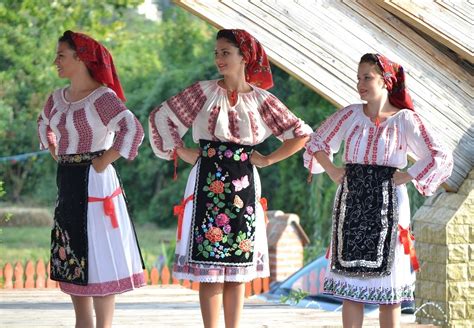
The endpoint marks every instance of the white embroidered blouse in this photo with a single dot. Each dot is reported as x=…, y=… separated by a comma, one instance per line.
x=204, y=106
x=97, y=122
x=387, y=144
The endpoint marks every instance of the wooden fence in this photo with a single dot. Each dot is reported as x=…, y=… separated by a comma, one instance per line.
x=36, y=276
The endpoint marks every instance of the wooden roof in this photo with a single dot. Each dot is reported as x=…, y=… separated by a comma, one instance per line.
x=448, y=22
x=320, y=43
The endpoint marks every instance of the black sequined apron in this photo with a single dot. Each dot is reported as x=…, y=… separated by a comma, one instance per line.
x=365, y=222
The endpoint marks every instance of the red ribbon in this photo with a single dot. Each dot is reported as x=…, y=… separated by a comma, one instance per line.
x=327, y=252
x=406, y=238
x=109, y=208
x=264, y=203
x=310, y=174
x=178, y=210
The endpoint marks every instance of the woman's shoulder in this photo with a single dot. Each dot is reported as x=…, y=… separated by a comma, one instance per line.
x=104, y=94
x=350, y=110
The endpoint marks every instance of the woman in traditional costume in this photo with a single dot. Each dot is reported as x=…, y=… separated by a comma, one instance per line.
x=371, y=248
x=221, y=238
x=86, y=127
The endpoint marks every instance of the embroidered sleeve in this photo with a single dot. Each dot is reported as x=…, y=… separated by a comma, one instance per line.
x=281, y=121
x=169, y=121
x=328, y=138
x=117, y=118
x=45, y=134
x=434, y=163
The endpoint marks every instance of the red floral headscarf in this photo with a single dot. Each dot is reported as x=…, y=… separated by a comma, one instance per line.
x=394, y=78
x=99, y=61
x=257, y=70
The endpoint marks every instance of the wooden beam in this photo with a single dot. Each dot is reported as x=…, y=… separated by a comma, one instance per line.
x=448, y=27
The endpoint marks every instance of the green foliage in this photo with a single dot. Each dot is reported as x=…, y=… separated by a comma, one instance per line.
x=294, y=297
x=29, y=30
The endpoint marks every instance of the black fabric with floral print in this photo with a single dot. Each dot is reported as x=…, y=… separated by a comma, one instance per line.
x=224, y=211
x=365, y=222
x=69, y=233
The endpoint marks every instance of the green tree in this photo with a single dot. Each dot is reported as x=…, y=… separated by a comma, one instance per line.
x=28, y=34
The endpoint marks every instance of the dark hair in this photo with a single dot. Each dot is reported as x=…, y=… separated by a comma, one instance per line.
x=371, y=59
x=230, y=37
x=67, y=38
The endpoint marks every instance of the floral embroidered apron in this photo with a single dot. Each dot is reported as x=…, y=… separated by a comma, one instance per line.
x=223, y=222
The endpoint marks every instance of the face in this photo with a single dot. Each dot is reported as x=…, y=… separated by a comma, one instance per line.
x=227, y=58
x=370, y=83
x=66, y=61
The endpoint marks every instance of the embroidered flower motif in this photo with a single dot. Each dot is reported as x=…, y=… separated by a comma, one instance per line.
x=217, y=187
x=228, y=153
x=227, y=229
x=249, y=210
x=211, y=152
x=238, y=202
x=214, y=234
x=244, y=157
x=245, y=245
x=222, y=219
x=62, y=253
x=199, y=239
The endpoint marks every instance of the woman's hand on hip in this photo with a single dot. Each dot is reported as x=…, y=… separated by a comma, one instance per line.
x=189, y=155
x=99, y=164
x=400, y=178
x=259, y=160
x=336, y=174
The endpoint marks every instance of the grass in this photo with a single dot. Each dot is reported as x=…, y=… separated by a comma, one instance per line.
x=32, y=243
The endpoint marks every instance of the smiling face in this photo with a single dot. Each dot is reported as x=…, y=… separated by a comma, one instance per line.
x=227, y=58
x=370, y=85
x=66, y=61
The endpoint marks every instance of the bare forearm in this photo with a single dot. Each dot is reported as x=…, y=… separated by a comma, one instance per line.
x=324, y=160
x=189, y=155
x=52, y=150
x=288, y=148
x=108, y=157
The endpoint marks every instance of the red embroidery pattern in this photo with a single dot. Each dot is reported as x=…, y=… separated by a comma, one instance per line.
x=338, y=126
x=376, y=144
x=120, y=136
x=105, y=288
x=174, y=133
x=369, y=145
x=356, y=148
x=278, y=118
x=187, y=104
x=48, y=107
x=348, y=143
x=139, y=133
x=253, y=126
x=157, y=139
x=108, y=106
x=64, y=139
x=212, y=121
x=429, y=145
x=234, y=125
x=50, y=137
x=84, y=131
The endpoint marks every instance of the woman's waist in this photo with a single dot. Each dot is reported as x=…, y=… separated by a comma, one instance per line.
x=79, y=158
x=224, y=151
